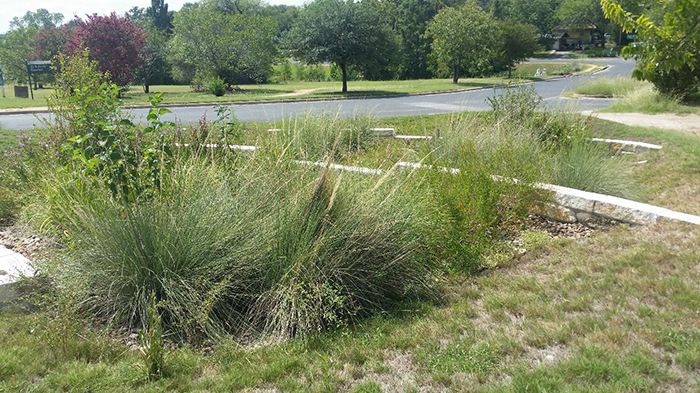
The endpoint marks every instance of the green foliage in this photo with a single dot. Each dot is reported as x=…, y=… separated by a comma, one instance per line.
x=15, y=49
x=463, y=39
x=342, y=32
x=237, y=48
x=471, y=201
x=517, y=43
x=325, y=137
x=151, y=340
x=518, y=103
x=589, y=166
x=97, y=140
x=668, y=53
x=316, y=74
x=216, y=86
x=285, y=73
x=518, y=107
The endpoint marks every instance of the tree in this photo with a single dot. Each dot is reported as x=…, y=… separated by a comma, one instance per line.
x=156, y=22
x=41, y=19
x=114, y=43
x=154, y=66
x=15, y=49
x=236, y=48
x=518, y=42
x=669, y=51
x=342, y=32
x=539, y=13
x=161, y=18
x=50, y=42
x=463, y=38
x=411, y=18
x=284, y=15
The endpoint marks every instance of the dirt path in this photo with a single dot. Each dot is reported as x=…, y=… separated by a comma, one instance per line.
x=296, y=93
x=687, y=123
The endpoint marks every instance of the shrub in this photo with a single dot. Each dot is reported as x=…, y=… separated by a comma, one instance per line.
x=471, y=206
x=516, y=103
x=316, y=74
x=216, y=86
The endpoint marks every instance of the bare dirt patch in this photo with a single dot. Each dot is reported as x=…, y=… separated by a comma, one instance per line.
x=666, y=121
x=296, y=93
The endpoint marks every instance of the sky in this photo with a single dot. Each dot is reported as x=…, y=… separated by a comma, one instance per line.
x=11, y=8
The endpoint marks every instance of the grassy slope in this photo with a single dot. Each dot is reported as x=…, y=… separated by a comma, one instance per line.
x=301, y=90
x=613, y=312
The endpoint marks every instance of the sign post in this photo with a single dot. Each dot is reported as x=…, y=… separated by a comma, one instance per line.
x=37, y=67
x=2, y=83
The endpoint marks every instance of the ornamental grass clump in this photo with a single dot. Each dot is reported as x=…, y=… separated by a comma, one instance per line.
x=590, y=166
x=313, y=137
x=343, y=247
x=189, y=246
x=262, y=247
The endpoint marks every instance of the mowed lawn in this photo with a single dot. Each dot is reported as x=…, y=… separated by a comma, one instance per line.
x=178, y=94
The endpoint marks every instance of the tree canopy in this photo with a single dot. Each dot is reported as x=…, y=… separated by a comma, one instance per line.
x=342, y=32
x=669, y=51
x=463, y=38
x=234, y=47
x=114, y=43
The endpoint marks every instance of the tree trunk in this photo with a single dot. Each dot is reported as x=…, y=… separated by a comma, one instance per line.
x=509, y=71
x=146, y=88
x=455, y=72
x=343, y=68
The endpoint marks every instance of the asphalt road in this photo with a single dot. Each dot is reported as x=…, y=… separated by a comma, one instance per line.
x=474, y=100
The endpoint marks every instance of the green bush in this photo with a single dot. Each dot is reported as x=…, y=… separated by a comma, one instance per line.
x=516, y=103
x=216, y=86
x=475, y=204
x=316, y=74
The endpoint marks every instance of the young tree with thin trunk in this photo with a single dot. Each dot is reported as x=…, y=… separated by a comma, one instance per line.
x=463, y=38
x=342, y=32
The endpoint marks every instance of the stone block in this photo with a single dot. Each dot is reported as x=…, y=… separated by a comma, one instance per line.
x=573, y=201
x=554, y=211
x=624, y=213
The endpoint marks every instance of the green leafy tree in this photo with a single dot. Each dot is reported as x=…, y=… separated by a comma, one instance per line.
x=670, y=50
x=234, y=47
x=410, y=19
x=342, y=32
x=518, y=42
x=540, y=13
x=16, y=47
x=463, y=38
x=41, y=19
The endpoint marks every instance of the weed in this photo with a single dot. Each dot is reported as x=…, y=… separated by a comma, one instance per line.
x=151, y=339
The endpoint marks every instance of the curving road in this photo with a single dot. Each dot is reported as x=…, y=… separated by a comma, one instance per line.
x=475, y=100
